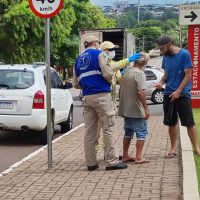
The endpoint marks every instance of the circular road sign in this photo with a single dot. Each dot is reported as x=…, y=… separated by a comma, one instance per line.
x=46, y=8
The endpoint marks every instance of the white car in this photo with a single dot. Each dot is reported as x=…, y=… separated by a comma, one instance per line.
x=23, y=100
x=153, y=75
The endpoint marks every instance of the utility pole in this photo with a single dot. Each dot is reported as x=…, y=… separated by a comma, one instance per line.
x=180, y=36
x=143, y=43
x=138, y=11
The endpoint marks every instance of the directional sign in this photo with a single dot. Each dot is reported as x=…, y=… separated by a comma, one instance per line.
x=46, y=8
x=189, y=14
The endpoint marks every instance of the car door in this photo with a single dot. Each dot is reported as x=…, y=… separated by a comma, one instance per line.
x=59, y=98
x=150, y=81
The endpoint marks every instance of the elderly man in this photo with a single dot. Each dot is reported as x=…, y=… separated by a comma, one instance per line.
x=134, y=109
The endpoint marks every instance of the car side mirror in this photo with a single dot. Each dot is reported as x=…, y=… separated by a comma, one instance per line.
x=68, y=85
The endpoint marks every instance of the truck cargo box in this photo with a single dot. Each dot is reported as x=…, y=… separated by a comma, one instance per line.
x=119, y=36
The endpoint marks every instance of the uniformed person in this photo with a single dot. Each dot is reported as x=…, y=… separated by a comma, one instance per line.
x=108, y=49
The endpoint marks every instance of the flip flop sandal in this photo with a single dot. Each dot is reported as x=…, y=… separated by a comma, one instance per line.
x=170, y=155
x=142, y=161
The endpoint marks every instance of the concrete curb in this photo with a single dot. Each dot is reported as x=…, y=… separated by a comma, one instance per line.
x=190, y=183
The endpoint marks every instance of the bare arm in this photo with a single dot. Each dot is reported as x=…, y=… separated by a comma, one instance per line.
x=75, y=81
x=142, y=98
x=184, y=82
x=162, y=81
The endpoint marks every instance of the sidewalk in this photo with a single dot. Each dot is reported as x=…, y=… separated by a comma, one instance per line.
x=69, y=179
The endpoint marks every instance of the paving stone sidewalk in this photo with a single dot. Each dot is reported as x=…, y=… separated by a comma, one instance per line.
x=161, y=179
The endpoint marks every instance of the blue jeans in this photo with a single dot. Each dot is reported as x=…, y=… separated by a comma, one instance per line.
x=137, y=126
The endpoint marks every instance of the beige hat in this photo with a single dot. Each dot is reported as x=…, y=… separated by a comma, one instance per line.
x=108, y=45
x=91, y=38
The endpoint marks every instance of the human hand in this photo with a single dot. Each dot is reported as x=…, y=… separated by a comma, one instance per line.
x=175, y=95
x=158, y=85
x=134, y=57
x=147, y=114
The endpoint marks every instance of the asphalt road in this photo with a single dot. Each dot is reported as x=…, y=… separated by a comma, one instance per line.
x=14, y=146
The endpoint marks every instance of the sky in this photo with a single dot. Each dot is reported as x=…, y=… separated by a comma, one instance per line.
x=110, y=2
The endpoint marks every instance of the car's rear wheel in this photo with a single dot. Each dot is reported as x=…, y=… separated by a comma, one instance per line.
x=158, y=96
x=43, y=134
x=67, y=125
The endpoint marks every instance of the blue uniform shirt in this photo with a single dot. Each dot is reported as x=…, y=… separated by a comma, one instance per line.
x=89, y=74
x=174, y=67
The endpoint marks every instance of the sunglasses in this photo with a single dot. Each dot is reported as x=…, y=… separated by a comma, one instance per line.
x=111, y=49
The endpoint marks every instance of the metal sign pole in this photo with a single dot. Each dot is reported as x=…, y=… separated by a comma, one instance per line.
x=47, y=9
x=48, y=91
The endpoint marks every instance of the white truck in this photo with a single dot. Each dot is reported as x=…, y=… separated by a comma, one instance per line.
x=119, y=36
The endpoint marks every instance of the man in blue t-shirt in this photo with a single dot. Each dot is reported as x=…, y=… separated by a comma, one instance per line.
x=177, y=67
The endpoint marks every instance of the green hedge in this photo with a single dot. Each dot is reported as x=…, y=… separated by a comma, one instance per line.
x=197, y=158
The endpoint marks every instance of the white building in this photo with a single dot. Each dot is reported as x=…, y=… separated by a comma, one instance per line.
x=120, y=5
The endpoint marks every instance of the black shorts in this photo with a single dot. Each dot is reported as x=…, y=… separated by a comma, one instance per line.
x=181, y=107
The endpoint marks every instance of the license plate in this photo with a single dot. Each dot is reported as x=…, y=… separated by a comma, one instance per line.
x=6, y=105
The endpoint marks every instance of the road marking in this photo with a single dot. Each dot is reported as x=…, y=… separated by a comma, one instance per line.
x=37, y=152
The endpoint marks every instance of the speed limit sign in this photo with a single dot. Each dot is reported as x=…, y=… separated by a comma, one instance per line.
x=46, y=8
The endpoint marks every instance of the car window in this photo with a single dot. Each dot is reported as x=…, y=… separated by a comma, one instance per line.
x=52, y=82
x=150, y=75
x=16, y=79
x=56, y=80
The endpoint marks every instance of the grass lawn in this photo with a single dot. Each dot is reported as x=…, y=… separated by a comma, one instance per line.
x=197, y=158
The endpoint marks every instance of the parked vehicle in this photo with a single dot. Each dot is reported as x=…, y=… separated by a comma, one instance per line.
x=118, y=36
x=23, y=100
x=153, y=75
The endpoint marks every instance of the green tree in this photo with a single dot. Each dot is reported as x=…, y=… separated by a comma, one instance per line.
x=146, y=37
x=169, y=25
x=148, y=31
x=149, y=23
x=169, y=14
x=22, y=33
x=87, y=16
x=183, y=31
x=127, y=19
x=19, y=28
x=145, y=15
